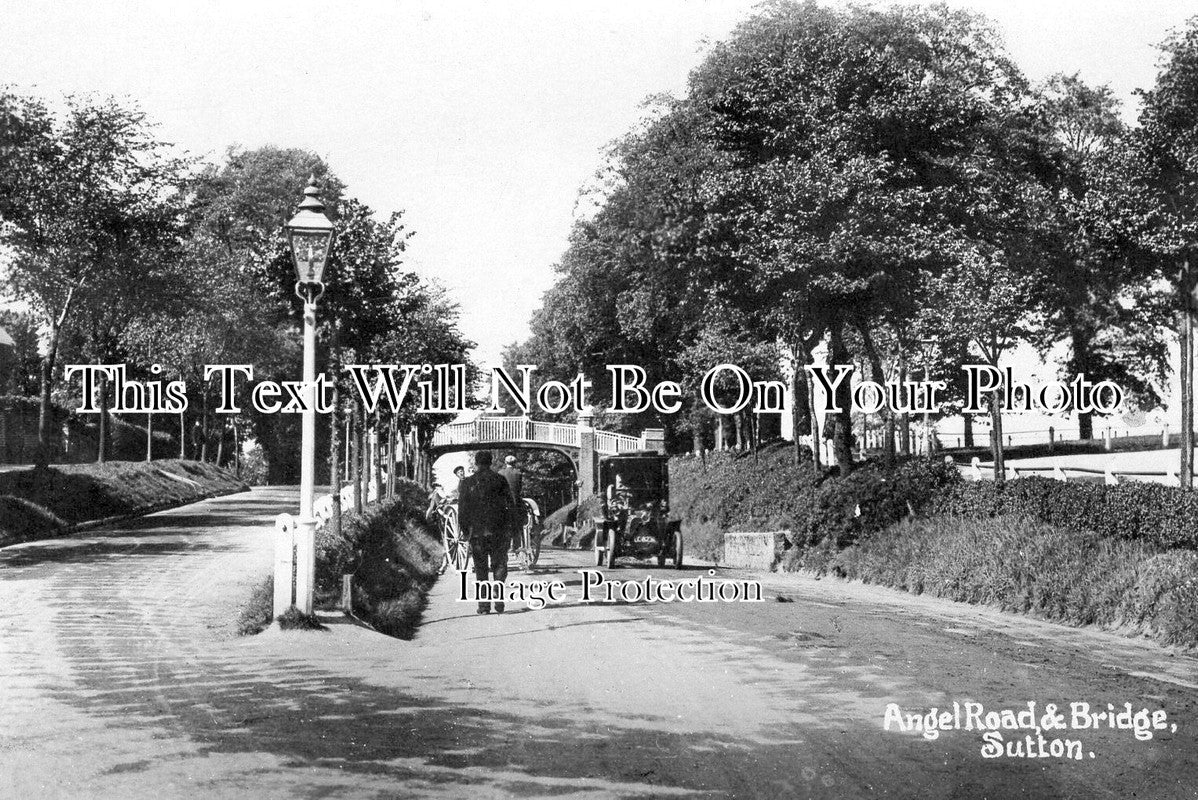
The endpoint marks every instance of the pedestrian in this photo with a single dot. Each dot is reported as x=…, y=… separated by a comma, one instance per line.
x=460, y=474
x=484, y=513
x=515, y=481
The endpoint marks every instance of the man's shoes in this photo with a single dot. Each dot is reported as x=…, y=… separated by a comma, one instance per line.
x=484, y=609
x=499, y=608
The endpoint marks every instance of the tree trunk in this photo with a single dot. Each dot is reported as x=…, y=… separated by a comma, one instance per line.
x=817, y=460
x=801, y=406
x=355, y=461
x=878, y=376
x=364, y=457
x=842, y=423
x=1080, y=363
x=220, y=444
x=1186, y=345
x=392, y=436
x=149, y=437
x=996, y=448
x=204, y=426
x=182, y=435
x=44, y=419
x=335, y=469
x=102, y=430
x=967, y=431
x=236, y=449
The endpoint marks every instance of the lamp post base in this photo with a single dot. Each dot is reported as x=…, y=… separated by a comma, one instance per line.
x=305, y=563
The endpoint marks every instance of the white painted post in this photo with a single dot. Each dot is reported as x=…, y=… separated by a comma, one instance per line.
x=1165, y=436
x=284, y=562
x=1109, y=475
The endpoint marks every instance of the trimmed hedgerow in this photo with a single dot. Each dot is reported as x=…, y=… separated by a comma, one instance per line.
x=735, y=491
x=1163, y=516
x=393, y=554
x=1023, y=565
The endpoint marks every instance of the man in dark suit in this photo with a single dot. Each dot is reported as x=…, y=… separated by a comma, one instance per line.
x=485, y=508
x=515, y=481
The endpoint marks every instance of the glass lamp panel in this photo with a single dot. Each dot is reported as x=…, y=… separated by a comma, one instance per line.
x=310, y=249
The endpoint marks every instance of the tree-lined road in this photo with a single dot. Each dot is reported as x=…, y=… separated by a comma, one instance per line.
x=123, y=678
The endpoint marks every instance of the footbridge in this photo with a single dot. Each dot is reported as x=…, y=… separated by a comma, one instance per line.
x=581, y=441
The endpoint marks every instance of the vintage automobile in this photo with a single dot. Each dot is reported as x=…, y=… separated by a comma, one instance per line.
x=634, y=513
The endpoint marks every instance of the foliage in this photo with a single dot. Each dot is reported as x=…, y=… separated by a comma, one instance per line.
x=1026, y=566
x=1163, y=516
x=393, y=554
x=735, y=491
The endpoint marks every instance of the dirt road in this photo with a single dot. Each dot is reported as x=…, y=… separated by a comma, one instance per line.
x=121, y=678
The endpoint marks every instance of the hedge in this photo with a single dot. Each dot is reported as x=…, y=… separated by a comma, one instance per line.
x=393, y=554
x=1164, y=516
x=734, y=491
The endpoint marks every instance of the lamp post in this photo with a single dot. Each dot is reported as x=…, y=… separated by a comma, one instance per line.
x=310, y=236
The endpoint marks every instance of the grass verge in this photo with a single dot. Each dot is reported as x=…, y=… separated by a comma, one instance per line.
x=37, y=503
x=1023, y=565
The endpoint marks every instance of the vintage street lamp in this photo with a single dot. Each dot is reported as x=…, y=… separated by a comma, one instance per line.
x=310, y=235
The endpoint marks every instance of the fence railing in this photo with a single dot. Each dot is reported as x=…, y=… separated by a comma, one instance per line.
x=977, y=470
x=522, y=429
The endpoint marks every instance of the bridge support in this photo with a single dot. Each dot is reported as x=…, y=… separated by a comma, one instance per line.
x=588, y=470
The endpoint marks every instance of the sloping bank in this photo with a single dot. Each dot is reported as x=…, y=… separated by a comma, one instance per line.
x=1122, y=557
x=393, y=554
x=36, y=504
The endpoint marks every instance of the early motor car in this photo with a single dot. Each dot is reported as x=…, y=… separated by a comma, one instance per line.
x=634, y=520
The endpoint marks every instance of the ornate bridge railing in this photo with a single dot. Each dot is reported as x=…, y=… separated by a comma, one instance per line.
x=486, y=430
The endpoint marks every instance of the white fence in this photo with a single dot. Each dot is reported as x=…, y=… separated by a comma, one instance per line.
x=977, y=470
x=487, y=430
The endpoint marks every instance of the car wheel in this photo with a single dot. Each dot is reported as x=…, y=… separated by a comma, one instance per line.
x=611, y=549
x=678, y=549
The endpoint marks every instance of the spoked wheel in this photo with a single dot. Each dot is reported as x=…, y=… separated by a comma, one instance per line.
x=457, y=549
x=611, y=549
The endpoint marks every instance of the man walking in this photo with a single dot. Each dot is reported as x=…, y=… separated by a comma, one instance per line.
x=515, y=481
x=484, y=512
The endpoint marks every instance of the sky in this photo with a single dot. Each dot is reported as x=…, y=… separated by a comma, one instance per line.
x=480, y=120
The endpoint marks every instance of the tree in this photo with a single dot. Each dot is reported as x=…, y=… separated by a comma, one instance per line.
x=87, y=197
x=1097, y=295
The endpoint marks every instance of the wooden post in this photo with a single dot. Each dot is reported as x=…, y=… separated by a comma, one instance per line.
x=347, y=594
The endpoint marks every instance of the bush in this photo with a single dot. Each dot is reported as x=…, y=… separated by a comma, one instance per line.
x=734, y=491
x=1163, y=516
x=1024, y=565
x=393, y=554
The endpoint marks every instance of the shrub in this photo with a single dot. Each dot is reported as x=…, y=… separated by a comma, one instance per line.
x=734, y=491
x=1163, y=516
x=393, y=554
x=1024, y=565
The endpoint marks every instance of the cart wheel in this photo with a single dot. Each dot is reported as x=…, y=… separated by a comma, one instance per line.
x=611, y=549
x=678, y=549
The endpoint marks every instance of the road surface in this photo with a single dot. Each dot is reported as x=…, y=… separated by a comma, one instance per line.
x=122, y=678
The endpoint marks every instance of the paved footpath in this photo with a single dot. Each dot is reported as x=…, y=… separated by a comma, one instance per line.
x=122, y=678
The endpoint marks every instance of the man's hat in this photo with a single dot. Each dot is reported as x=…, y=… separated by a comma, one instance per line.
x=510, y=460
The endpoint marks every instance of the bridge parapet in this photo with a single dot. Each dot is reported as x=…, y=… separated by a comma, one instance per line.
x=499, y=430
